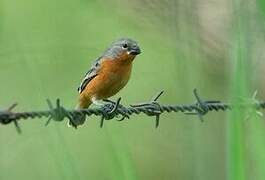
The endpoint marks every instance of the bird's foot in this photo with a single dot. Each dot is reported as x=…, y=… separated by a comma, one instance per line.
x=113, y=109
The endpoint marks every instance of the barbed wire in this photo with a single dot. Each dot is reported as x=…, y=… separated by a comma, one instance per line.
x=113, y=109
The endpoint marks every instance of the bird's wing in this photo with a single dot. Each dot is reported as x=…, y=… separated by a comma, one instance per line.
x=93, y=71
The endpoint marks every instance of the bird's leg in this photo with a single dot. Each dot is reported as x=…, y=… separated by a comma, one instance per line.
x=121, y=109
x=106, y=107
x=110, y=108
x=97, y=102
x=104, y=102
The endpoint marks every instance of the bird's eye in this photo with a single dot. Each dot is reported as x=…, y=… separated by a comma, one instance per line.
x=125, y=46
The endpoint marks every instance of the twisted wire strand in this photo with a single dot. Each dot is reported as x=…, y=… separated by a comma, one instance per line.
x=115, y=109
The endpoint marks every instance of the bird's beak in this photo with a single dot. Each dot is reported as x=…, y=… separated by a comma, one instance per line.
x=135, y=50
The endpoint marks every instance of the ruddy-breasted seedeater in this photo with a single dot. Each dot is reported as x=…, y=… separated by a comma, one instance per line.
x=108, y=75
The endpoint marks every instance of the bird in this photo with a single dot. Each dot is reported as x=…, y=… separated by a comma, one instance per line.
x=107, y=76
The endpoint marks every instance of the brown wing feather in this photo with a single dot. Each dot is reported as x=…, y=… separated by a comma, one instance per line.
x=89, y=75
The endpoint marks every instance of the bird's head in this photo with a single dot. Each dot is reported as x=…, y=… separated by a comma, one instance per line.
x=123, y=49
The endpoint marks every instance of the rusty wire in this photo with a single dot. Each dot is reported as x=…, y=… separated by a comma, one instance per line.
x=114, y=109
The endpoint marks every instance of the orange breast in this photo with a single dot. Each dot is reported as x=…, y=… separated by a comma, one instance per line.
x=112, y=77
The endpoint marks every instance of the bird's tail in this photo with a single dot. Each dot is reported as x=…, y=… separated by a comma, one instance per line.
x=78, y=119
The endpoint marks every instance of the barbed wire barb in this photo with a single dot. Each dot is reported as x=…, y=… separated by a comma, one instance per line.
x=153, y=108
x=114, y=109
x=109, y=110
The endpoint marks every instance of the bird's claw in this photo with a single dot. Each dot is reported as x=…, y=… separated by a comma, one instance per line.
x=112, y=109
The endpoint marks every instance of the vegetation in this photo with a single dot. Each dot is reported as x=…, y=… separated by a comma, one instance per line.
x=215, y=46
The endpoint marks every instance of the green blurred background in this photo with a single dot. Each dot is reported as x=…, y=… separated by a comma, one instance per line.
x=215, y=46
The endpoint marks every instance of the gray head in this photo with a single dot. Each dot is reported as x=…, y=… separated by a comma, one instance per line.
x=123, y=46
